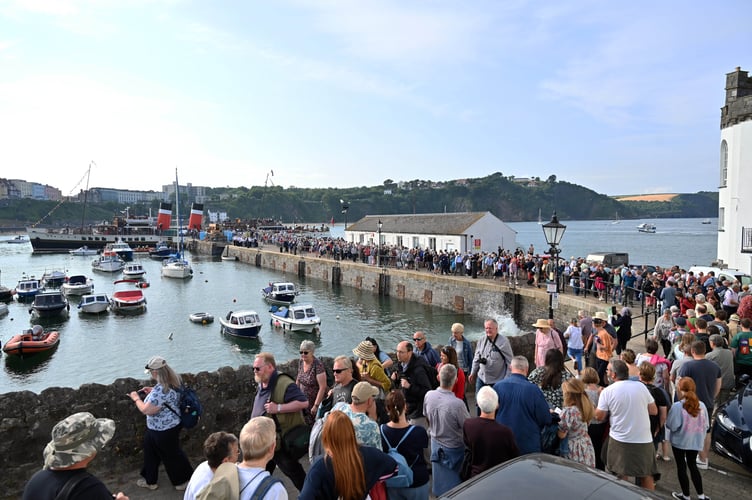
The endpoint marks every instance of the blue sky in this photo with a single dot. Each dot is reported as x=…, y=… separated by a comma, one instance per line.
x=622, y=97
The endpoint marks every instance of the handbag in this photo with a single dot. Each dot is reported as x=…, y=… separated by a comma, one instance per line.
x=295, y=441
x=466, y=470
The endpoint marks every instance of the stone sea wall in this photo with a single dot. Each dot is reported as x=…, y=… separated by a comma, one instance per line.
x=27, y=418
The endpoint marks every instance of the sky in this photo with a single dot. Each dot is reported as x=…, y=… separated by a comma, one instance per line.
x=620, y=97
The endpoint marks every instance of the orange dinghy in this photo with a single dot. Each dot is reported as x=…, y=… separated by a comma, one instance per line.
x=24, y=343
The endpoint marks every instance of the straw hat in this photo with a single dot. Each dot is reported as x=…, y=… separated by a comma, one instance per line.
x=364, y=351
x=734, y=317
x=541, y=323
x=76, y=438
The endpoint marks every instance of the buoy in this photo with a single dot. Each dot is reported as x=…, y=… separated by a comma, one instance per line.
x=234, y=300
x=338, y=316
x=203, y=322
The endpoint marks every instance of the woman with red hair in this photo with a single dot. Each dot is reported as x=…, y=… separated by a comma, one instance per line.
x=347, y=470
x=688, y=422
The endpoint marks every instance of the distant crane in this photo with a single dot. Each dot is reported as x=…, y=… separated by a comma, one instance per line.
x=268, y=179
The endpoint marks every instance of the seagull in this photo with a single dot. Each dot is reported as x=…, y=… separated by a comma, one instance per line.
x=170, y=336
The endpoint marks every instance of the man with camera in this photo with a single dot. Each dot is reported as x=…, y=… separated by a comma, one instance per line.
x=493, y=355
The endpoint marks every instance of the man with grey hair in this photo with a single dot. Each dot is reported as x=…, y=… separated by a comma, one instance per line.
x=522, y=407
x=446, y=414
x=490, y=443
x=493, y=355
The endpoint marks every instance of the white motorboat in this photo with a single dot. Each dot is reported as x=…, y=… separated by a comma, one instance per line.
x=108, y=262
x=128, y=297
x=280, y=293
x=83, y=251
x=295, y=317
x=134, y=270
x=646, y=228
x=244, y=324
x=94, y=303
x=18, y=240
x=54, y=278
x=77, y=284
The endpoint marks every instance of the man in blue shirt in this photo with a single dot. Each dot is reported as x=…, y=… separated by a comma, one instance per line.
x=522, y=407
x=424, y=349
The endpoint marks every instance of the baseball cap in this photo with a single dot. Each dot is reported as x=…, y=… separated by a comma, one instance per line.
x=155, y=363
x=362, y=391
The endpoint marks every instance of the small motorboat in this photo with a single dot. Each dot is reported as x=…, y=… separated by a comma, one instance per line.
x=48, y=304
x=244, y=324
x=646, y=228
x=77, y=284
x=31, y=342
x=94, y=303
x=176, y=266
x=161, y=251
x=296, y=318
x=122, y=249
x=108, y=262
x=201, y=317
x=280, y=293
x=54, y=278
x=6, y=294
x=128, y=297
x=18, y=240
x=83, y=251
x=133, y=270
x=27, y=288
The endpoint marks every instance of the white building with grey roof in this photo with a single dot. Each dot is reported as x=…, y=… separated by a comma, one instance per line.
x=463, y=231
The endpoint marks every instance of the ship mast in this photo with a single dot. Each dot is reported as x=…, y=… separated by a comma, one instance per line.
x=86, y=195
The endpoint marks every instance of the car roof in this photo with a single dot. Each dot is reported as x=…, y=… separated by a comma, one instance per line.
x=539, y=475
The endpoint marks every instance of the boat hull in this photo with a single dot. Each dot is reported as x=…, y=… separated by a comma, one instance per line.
x=23, y=344
x=246, y=332
x=242, y=324
x=45, y=241
x=295, y=326
x=94, y=304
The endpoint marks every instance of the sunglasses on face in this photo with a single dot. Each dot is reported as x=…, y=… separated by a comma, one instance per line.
x=339, y=370
x=418, y=339
x=304, y=352
x=257, y=368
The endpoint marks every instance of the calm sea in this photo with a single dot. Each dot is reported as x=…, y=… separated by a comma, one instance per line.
x=102, y=349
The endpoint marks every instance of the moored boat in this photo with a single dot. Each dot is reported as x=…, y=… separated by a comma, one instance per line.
x=18, y=240
x=121, y=248
x=108, y=262
x=32, y=341
x=161, y=251
x=27, y=288
x=83, y=251
x=94, y=303
x=128, y=297
x=295, y=317
x=201, y=317
x=244, y=324
x=134, y=270
x=77, y=285
x=48, y=304
x=279, y=293
x=54, y=278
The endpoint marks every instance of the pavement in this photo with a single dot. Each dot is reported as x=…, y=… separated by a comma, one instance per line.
x=723, y=478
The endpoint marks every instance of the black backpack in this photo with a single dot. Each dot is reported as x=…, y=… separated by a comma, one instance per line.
x=189, y=406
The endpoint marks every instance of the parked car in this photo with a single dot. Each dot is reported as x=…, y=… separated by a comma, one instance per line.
x=732, y=429
x=539, y=475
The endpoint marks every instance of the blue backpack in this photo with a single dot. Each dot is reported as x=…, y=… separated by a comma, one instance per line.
x=189, y=406
x=404, y=476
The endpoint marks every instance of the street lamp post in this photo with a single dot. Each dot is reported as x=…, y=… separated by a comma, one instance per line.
x=554, y=231
x=378, y=254
x=345, y=206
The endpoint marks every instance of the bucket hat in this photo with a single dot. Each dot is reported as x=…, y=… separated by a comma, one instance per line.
x=364, y=351
x=76, y=438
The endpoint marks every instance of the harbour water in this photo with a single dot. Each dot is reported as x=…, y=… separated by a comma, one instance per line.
x=102, y=349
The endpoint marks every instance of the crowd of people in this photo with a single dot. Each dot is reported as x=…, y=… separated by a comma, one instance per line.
x=617, y=410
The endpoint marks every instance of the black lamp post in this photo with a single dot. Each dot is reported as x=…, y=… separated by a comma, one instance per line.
x=553, y=231
x=345, y=206
x=378, y=255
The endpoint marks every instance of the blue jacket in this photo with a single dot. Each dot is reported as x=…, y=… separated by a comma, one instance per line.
x=467, y=352
x=429, y=355
x=523, y=409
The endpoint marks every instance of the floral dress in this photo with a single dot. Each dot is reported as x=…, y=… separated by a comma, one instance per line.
x=309, y=385
x=580, y=446
x=553, y=395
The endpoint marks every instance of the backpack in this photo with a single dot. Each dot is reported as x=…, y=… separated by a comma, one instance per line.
x=264, y=486
x=404, y=476
x=189, y=406
x=315, y=448
x=433, y=375
x=744, y=345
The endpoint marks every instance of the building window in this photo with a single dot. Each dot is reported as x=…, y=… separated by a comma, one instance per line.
x=721, y=222
x=432, y=243
x=399, y=241
x=416, y=242
x=724, y=163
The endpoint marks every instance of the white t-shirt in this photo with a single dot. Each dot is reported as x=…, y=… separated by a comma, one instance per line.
x=627, y=403
x=255, y=475
x=202, y=475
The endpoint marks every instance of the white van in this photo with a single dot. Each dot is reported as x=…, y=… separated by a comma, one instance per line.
x=608, y=259
x=723, y=274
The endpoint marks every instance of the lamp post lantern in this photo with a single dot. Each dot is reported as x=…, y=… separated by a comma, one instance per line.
x=378, y=254
x=554, y=231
